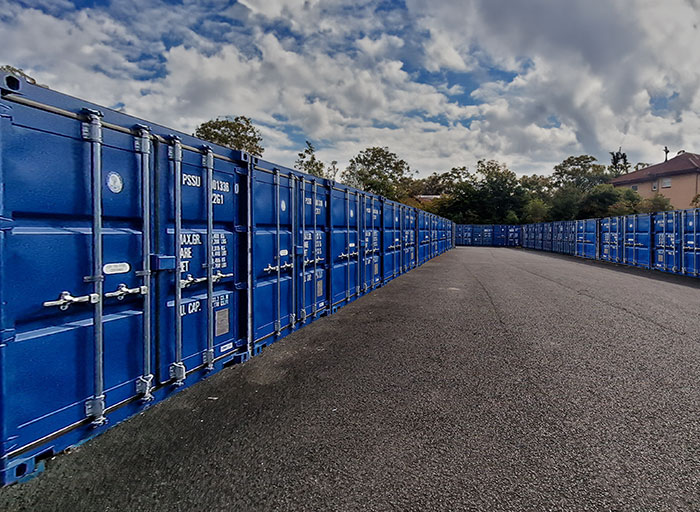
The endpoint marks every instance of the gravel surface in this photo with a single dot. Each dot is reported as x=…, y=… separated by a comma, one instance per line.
x=487, y=379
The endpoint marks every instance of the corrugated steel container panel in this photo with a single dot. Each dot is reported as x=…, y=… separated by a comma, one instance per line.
x=468, y=234
x=547, y=236
x=423, y=237
x=690, y=222
x=612, y=239
x=539, y=236
x=667, y=242
x=143, y=260
x=500, y=235
x=638, y=240
x=409, y=238
x=558, y=237
x=529, y=236
x=482, y=234
x=587, y=238
x=392, y=243
x=514, y=236
x=345, y=244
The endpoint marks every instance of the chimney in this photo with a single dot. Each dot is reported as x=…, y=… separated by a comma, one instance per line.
x=666, y=151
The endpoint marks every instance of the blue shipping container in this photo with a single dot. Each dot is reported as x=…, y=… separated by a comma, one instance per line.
x=135, y=261
x=587, y=238
x=638, y=240
x=690, y=220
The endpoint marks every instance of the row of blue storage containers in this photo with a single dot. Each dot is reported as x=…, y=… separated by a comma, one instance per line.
x=499, y=235
x=557, y=237
x=666, y=241
x=135, y=261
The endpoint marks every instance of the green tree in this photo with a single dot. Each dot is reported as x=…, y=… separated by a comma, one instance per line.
x=332, y=170
x=537, y=187
x=511, y=218
x=307, y=162
x=237, y=133
x=536, y=210
x=657, y=203
x=619, y=164
x=441, y=183
x=491, y=195
x=581, y=171
x=500, y=191
x=566, y=202
x=628, y=203
x=380, y=171
x=599, y=200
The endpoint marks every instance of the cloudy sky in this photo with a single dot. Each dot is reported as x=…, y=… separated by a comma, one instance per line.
x=441, y=83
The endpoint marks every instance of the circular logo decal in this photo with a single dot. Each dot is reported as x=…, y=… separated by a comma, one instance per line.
x=283, y=206
x=115, y=182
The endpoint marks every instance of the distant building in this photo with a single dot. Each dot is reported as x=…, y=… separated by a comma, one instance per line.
x=427, y=199
x=678, y=179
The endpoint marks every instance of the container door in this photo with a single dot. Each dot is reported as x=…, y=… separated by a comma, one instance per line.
x=666, y=239
x=312, y=254
x=637, y=240
x=201, y=302
x=345, y=247
x=75, y=271
x=391, y=242
x=409, y=238
x=425, y=236
x=691, y=242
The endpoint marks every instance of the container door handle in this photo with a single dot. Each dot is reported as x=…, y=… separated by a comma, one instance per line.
x=270, y=268
x=123, y=290
x=190, y=280
x=65, y=299
x=219, y=276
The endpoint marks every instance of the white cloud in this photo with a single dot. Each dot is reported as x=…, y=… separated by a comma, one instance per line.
x=347, y=75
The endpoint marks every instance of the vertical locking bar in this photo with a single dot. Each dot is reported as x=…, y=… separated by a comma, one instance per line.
x=663, y=244
x=249, y=258
x=347, y=243
x=402, y=256
x=142, y=144
x=292, y=221
x=393, y=236
x=178, y=372
x=372, y=241
x=303, y=245
x=364, y=242
x=328, y=257
x=277, y=259
x=208, y=164
x=681, y=236
x=692, y=248
x=359, y=244
x=678, y=250
x=92, y=133
x=314, y=293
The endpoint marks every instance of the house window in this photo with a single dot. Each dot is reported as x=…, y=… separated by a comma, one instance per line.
x=666, y=183
x=634, y=187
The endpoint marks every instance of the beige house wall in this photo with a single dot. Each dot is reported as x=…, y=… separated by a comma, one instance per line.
x=684, y=187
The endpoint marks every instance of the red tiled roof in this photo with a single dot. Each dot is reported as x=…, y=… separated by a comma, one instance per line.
x=681, y=164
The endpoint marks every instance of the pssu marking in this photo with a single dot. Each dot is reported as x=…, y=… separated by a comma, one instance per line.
x=191, y=180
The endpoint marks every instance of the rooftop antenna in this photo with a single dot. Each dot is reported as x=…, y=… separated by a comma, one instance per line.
x=667, y=152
